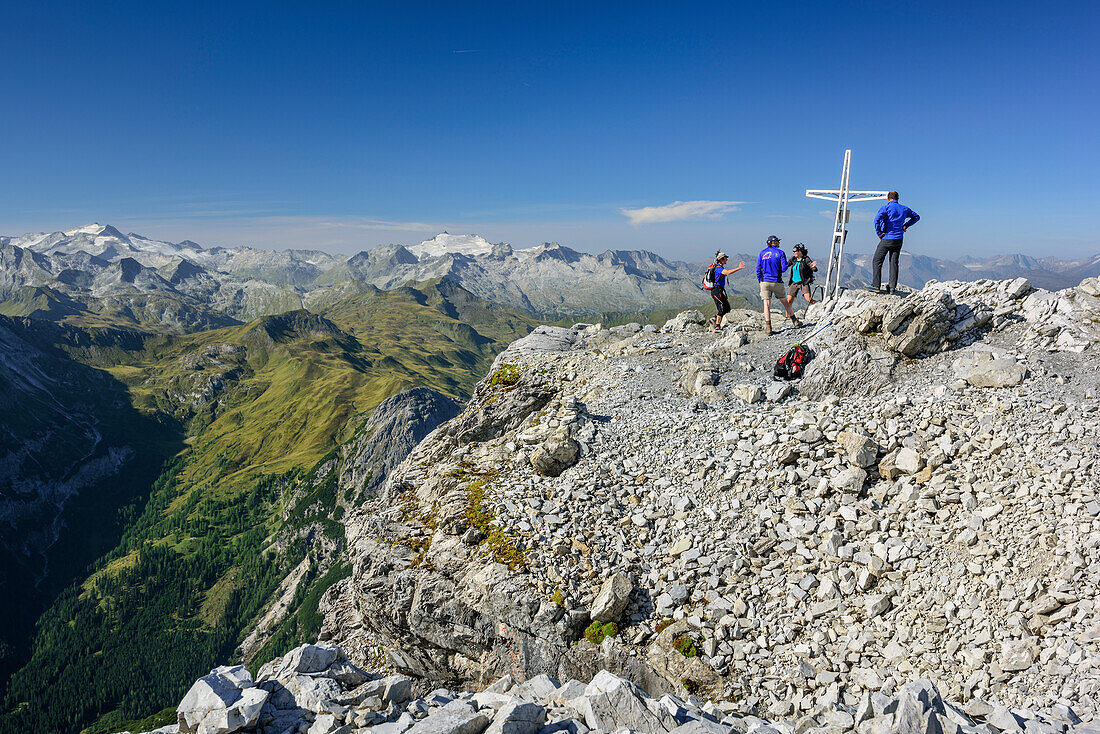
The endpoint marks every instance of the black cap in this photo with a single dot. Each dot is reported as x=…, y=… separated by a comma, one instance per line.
x=800, y=247
x=773, y=240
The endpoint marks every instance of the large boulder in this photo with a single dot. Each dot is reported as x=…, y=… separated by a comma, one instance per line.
x=849, y=481
x=555, y=455
x=544, y=339
x=313, y=693
x=748, y=393
x=861, y=449
x=986, y=368
x=685, y=321
x=518, y=717
x=221, y=702
x=847, y=364
x=1004, y=372
x=612, y=599
x=457, y=717
x=302, y=659
x=538, y=688
x=699, y=373
x=611, y=703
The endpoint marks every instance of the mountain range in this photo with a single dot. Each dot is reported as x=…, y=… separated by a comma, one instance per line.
x=96, y=271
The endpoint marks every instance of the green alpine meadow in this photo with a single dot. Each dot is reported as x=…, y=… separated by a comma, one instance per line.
x=230, y=431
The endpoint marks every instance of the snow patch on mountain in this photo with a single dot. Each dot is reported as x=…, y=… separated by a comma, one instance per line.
x=446, y=243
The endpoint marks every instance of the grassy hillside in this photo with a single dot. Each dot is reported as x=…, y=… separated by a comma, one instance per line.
x=126, y=308
x=265, y=405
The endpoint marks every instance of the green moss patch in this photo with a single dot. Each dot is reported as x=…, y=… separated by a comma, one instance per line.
x=479, y=515
x=597, y=632
x=685, y=646
x=506, y=376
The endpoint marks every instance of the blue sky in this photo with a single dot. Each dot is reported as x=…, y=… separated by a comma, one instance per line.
x=342, y=125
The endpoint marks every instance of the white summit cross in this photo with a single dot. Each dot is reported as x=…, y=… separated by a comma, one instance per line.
x=843, y=197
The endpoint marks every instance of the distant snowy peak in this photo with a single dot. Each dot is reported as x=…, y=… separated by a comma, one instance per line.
x=95, y=228
x=103, y=240
x=446, y=243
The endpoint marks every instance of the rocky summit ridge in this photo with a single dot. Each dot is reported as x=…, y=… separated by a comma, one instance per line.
x=907, y=539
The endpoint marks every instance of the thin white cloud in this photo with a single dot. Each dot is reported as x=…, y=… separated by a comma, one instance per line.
x=384, y=224
x=680, y=210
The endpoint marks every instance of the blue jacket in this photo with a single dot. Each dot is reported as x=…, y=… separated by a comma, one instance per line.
x=892, y=219
x=771, y=264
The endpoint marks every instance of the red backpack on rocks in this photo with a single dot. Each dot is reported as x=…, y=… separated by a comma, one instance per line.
x=791, y=364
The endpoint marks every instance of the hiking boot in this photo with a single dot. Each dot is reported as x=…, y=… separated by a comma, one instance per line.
x=872, y=289
x=768, y=328
x=795, y=322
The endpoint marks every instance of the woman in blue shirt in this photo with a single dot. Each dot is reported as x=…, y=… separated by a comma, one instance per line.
x=718, y=293
x=802, y=275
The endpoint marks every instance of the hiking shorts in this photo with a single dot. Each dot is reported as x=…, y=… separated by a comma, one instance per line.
x=797, y=288
x=720, y=301
x=767, y=290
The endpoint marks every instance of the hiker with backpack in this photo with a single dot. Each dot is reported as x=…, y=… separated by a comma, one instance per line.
x=714, y=281
x=769, y=272
x=802, y=276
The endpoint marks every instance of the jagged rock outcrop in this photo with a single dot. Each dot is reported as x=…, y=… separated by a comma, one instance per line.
x=221, y=702
x=869, y=336
x=542, y=705
x=814, y=552
x=383, y=441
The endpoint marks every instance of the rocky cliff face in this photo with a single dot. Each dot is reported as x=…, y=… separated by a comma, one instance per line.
x=395, y=427
x=923, y=504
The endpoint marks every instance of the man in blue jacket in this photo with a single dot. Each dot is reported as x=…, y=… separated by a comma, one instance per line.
x=890, y=223
x=769, y=271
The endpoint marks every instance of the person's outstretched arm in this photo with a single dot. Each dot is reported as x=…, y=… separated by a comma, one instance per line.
x=739, y=267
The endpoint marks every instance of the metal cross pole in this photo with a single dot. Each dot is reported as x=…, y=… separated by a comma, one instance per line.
x=843, y=197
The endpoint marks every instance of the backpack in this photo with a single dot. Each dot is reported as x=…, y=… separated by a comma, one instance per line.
x=791, y=364
x=708, y=277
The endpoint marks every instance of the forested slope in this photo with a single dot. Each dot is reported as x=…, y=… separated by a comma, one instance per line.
x=249, y=499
